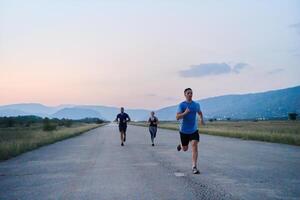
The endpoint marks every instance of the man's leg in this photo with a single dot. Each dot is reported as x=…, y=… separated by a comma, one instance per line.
x=194, y=152
x=122, y=136
x=184, y=145
x=185, y=148
x=124, y=133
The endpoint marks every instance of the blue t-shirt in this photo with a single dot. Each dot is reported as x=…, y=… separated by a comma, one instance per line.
x=189, y=124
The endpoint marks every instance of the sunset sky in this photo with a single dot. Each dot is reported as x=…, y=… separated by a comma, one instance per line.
x=142, y=54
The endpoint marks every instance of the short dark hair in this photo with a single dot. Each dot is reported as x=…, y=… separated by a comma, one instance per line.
x=187, y=89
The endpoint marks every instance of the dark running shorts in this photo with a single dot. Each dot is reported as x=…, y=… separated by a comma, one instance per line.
x=122, y=128
x=186, y=138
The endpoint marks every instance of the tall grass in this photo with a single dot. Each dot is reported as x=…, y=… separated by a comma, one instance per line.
x=17, y=140
x=286, y=132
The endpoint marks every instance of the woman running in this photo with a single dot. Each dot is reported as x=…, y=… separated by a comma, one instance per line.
x=152, y=121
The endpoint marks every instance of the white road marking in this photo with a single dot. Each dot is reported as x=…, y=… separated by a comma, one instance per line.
x=179, y=174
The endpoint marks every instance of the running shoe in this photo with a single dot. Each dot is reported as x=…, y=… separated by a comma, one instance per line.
x=179, y=147
x=195, y=170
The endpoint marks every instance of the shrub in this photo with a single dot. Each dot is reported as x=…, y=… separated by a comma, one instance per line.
x=48, y=125
x=292, y=116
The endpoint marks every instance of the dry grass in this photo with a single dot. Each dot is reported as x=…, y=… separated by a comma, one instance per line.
x=286, y=132
x=17, y=140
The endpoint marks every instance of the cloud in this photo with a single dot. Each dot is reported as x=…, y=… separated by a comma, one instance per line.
x=171, y=99
x=208, y=69
x=162, y=98
x=238, y=67
x=296, y=26
x=275, y=71
x=296, y=54
x=151, y=95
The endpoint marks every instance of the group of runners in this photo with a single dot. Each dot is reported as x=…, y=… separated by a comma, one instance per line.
x=187, y=112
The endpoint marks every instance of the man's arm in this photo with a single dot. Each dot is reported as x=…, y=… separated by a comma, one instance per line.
x=201, y=117
x=128, y=118
x=181, y=115
x=116, y=120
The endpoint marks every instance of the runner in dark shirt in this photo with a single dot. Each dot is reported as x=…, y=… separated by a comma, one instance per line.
x=152, y=121
x=122, y=118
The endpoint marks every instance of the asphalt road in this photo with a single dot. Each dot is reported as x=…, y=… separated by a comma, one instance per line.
x=95, y=166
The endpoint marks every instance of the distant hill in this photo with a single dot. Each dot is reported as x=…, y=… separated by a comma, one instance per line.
x=28, y=108
x=270, y=104
x=110, y=113
x=8, y=112
x=76, y=113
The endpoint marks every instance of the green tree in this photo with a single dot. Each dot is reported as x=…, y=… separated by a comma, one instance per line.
x=48, y=125
x=292, y=116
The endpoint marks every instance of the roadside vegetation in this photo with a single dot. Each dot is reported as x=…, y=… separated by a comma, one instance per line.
x=283, y=131
x=25, y=133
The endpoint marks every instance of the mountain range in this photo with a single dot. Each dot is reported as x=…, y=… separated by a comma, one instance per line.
x=268, y=105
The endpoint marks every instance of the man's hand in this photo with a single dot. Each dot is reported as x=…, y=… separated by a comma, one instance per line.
x=181, y=115
x=187, y=110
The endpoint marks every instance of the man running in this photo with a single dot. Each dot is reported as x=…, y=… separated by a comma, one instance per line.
x=187, y=114
x=122, y=118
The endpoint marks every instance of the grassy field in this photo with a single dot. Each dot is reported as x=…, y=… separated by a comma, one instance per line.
x=286, y=132
x=17, y=140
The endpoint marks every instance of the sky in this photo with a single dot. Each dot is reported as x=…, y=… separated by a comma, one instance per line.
x=143, y=54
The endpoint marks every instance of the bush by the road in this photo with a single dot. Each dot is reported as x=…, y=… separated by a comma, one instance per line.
x=18, y=139
x=286, y=132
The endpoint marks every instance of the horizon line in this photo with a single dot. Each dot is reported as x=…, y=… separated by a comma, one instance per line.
x=112, y=106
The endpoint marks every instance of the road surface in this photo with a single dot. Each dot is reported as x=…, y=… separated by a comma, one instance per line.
x=95, y=166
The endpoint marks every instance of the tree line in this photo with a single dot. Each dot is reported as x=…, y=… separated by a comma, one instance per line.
x=47, y=123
